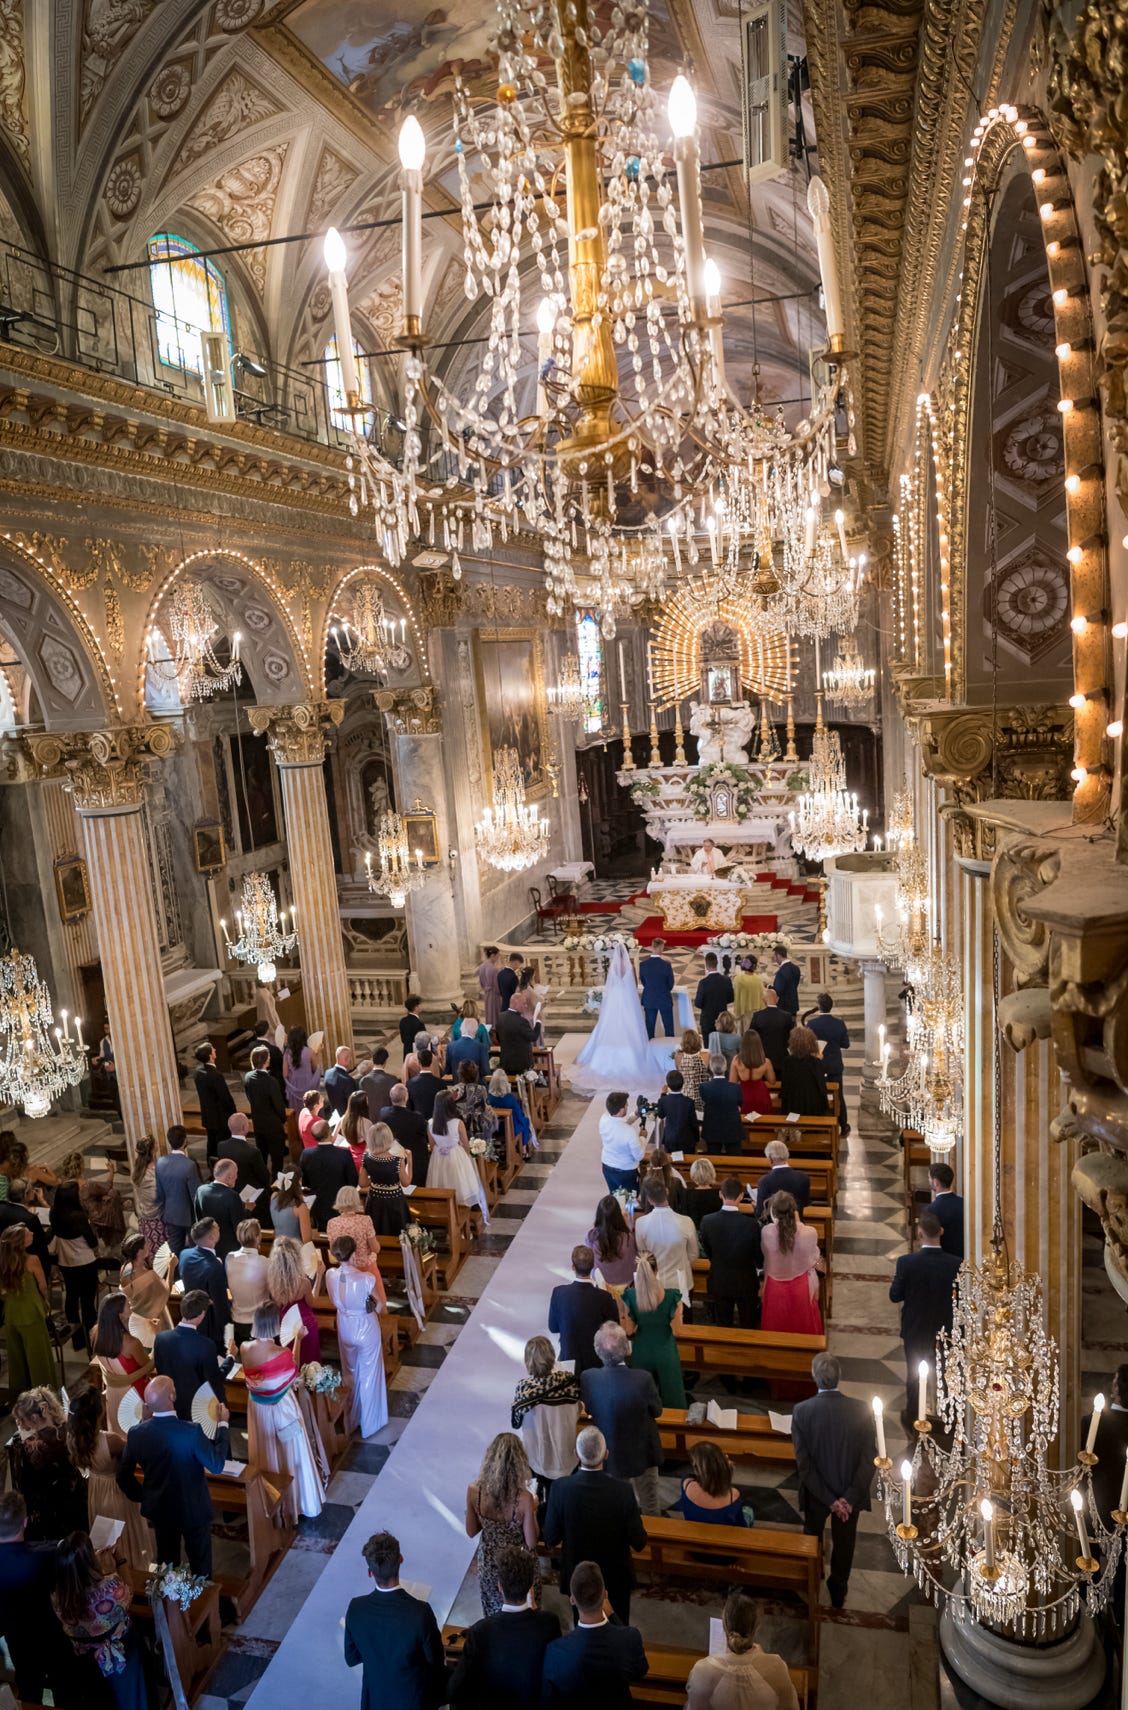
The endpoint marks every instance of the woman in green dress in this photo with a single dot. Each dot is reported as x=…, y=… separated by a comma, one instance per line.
x=23, y=1289
x=650, y=1314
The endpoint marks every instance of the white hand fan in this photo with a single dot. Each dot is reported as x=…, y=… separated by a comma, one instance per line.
x=162, y=1260
x=310, y=1261
x=205, y=1410
x=292, y=1327
x=315, y=1041
x=130, y=1411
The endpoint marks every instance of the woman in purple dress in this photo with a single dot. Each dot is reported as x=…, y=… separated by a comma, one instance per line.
x=300, y=1068
x=487, y=979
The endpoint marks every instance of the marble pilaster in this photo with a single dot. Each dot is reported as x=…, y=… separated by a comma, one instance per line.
x=973, y=947
x=432, y=929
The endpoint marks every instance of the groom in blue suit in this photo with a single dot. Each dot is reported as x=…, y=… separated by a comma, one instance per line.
x=657, y=990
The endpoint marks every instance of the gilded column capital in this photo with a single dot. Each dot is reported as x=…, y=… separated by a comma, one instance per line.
x=104, y=770
x=298, y=735
x=410, y=712
x=1032, y=762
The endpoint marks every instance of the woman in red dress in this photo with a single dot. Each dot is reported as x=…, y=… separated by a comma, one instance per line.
x=792, y=1262
x=753, y=1073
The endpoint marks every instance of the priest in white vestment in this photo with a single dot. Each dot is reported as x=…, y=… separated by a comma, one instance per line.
x=709, y=860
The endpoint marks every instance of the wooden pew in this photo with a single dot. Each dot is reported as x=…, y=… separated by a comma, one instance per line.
x=769, y=1354
x=196, y=1634
x=259, y=1495
x=544, y=1059
x=765, y=1556
x=815, y=1135
x=753, y=1438
x=915, y=1155
x=391, y=1265
x=438, y=1208
x=749, y=1167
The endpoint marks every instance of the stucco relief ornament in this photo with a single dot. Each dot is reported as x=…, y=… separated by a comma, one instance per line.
x=1032, y=600
x=1034, y=448
x=169, y=90
x=236, y=15
x=123, y=188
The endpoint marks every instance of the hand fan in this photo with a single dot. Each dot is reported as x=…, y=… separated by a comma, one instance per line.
x=292, y=1327
x=130, y=1411
x=310, y=1260
x=162, y=1260
x=205, y=1410
x=315, y=1041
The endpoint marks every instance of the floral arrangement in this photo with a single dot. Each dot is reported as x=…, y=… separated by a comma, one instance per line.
x=177, y=1585
x=477, y=1148
x=319, y=1379
x=593, y=1000
x=602, y=943
x=628, y=1200
x=421, y=1239
x=797, y=781
x=745, y=785
x=749, y=943
x=646, y=790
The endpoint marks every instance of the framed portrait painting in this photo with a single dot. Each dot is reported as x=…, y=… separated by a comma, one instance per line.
x=209, y=846
x=422, y=828
x=512, y=703
x=72, y=888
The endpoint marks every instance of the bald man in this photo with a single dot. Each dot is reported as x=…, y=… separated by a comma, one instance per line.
x=175, y=1458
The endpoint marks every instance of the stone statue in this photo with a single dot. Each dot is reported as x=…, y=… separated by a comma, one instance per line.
x=723, y=731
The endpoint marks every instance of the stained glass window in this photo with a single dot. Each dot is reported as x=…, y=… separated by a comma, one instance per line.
x=189, y=296
x=590, y=644
x=338, y=415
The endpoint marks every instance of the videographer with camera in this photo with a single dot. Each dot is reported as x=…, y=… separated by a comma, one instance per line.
x=623, y=1139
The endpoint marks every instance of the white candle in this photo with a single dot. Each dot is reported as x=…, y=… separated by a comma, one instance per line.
x=713, y=310
x=63, y=1033
x=922, y=1390
x=419, y=859
x=336, y=259
x=1124, y=1487
x=683, y=122
x=412, y=151
x=714, y=542
x=988, y=1513
x=840, y=525
x=78, y=1031
x=907, y=1492
x=1098, y=1409
x=809, y=520
x=879, y=1426
x=622, y=674
x=650, y=673
x=1078, y=1502
x=818, y=205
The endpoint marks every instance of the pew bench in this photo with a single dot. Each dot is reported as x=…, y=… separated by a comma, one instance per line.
x=753, y=1438
x=771, y=1558
x=817, y=1135
x=259, y=1495
x=749, y=1167
x=773, y=1355
x=438, y=1209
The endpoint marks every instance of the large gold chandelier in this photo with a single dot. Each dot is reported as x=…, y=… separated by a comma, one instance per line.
x=397, y=878
x=187, y=654
x=38, y=1060
x=825, y=820
x=510, y=835
x=261, y=926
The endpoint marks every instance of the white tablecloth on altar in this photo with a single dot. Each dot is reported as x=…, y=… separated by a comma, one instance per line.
x=722, y=833
x=690, y=882
x=572, y=872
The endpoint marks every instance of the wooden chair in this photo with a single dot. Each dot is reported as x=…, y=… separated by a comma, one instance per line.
x=259, y=1495
x=544, y=913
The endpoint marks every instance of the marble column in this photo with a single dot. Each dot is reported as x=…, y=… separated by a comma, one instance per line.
x=432, y=929
x=875, y=1013
x=973, y=947
x=297, y=740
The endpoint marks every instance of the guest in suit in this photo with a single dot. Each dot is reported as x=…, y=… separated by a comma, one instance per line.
x=267, y=1101
x=28, y=1624
x=177, y=1181
x=786, y=982
x=508, y=979
x=424, y=1088
x=175, y=1458
x=503, y=1655
x=834, y=1037
x=923, y=1282
x=774, y=1024
x=594, y=1517
x=834, y=1450
x=201, y=1268
x=802, y=1083
x=395, y=1637
x=326, y=1169
x=516, y=1037
x=251, y=1167
x=781, y=1178
x=678, y=1115
x=218, y=1200
x=216, y=1102
x=624, y=1404
x=468, y=1048
x=339, y=1081
x=594, y=1664
x=377, y=1084
x=670, y=1237
x=947, y=1207
x=187, y=1354
x=577, y=1309
x=730, y=1240
x=722, y=1126
x=1112, y=1445
x=713, y=995
x=657, y=977
x=264, y=1037
x=410, y=1023
x=410, y=1130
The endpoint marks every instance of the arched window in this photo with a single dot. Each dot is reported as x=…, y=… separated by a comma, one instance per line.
x=590, y=644
x=337, y=412
x=190, y=298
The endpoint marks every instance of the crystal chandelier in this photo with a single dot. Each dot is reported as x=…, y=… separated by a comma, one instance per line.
x=825, y=820
x=261, y=928
x=848, y=681
x=367, y=643
x=566, y=696
x=187, y=653
x=511, y=834
x=396, y=878
x=900, y=829
x=38, y=1060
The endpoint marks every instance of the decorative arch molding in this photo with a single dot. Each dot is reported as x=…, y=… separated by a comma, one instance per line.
x=300, y=663
x=919, y=576
x=58, y=649
x=373, y=573
x=1012, y=140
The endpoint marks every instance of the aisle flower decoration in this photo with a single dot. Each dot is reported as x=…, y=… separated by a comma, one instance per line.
x=746, y=787
x=600, y=943
x=174, y=1584
x=421, y=1239
x=319, y=1379
x=748, y=943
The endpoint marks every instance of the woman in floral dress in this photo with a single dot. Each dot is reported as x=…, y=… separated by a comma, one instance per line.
x=93, y=1610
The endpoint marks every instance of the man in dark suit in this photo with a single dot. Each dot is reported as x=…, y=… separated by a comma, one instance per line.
x=516, y=1037
x=834, y=1449
x=218, y=1200
x=781, y=1178
x=187, y=1354
x=268, y=1109
x=678, y=1115
x=773, y=1024
x=175, y=1458
x=40, y=1653
x=377, y=1084
x=503, y=1656
x=624, y=1404
x=509, y=978
x=264, y=1038
x=201, y=1268
x=177, y=1181
x=1112, y=1445
x=947, y=1207
x=722, y=1127
x=251, y=1167
x=467, y=1048
x=326, y=1169
x=424, y=1088
x=923, y=1282
x=594, y=1664
x=410, y=1024
x=216, y=1102
x=713, y=994
x=657, y=977
x=786, y=982
x=577, y=1309
x=410, y=1129
x=730, y=1240
x=594, y=1517
x=396, y=1638
x=339, y=1082
x=834, y=1036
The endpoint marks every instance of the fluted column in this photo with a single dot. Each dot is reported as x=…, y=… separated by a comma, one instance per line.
x=297, y=740
x=973, y=947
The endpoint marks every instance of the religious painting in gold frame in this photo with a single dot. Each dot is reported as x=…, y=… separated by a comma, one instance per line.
x=422, y=828
x=72, y=888
x=209, y=846
x=511, y=702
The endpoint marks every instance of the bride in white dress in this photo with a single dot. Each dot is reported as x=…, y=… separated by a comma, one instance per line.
x=451, y=1165
x=618, y=1056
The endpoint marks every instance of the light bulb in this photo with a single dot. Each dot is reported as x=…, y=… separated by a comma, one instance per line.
x=1079, y=624
x=334, y=251
x=1116, y=728
x=1120, y=631
x=412, y=144
x=1065, y=405
x=1072, y=483
x=682, y=107
x=1061, y=297
x=1075, y=555
x=986, y=1509
x=1076, y=701
x=712, y=278
x=546, y=315
x=1079, y=774
x=1063, y=351
x=1077, y=1500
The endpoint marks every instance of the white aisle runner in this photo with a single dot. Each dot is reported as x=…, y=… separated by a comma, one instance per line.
x=420, y=1494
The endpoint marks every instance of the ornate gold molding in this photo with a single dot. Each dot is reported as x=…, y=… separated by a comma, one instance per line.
x=104, y=770
x=410, y=712
x=298, y=735
x=957, y=747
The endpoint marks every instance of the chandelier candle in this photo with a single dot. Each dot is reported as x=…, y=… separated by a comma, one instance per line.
x=336, y=260
x=988, y=1513
x=412, y=153
x=682, y=109
x=879, y=1428
x=713, y=311
x=907, y=1494
x=1094, y=1422
x=1085, y=1560
x=818, y=206
x=922, y=1392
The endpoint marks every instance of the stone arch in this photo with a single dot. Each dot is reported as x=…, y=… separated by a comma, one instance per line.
x=399, y=606
x=69, y=683
x=273, y=654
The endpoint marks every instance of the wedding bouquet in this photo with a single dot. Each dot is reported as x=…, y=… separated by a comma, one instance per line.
x=178, y=1585
x=593, y=1000
x=319, y=1379
x=477, y=1148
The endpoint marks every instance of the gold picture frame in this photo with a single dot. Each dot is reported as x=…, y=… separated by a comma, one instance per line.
x=72, y=888
x=422, y=827
x=209, y=846
x=509, y=670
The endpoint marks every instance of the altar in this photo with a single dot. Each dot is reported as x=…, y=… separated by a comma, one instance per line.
x=692, y=902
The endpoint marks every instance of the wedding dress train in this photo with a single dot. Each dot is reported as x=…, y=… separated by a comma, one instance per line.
x=619, y=1057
